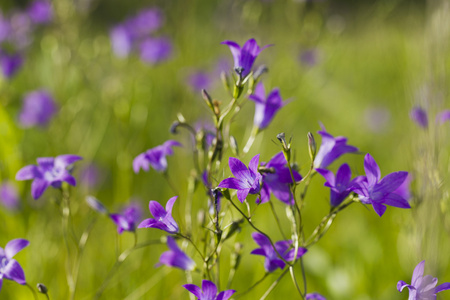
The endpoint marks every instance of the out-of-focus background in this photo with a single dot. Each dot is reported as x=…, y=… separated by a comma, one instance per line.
x=358, y=67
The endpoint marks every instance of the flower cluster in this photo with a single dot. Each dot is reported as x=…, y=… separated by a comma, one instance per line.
x=38, y=109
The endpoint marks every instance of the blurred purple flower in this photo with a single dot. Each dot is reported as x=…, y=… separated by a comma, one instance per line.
x=9, y=267
x=96, y=205
x=315, y=296
x=277, y=180
x=49, y=171
x=265, y=107
x=155, y=50
x=127, y=220
x=121, y=40
x=10, y=63
x=372, y=189
x=175, y=257
x=145, y=22
x=162, y=217
x=419, y=116
x=199, y=80
x=40, y=11
x=404, y=190
x=208, y=291
x=5, y=28
x=90, y=176
x=155, y=157
x=377, y=118
x=309, y=57
x=38, y=109
x=284, y=248
x=21, y=30
x=422, y=287
x=247, y=180
x=9, y=196
x=443, y=116
x=340, y=185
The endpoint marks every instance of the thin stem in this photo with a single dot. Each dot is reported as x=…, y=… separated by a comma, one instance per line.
x=294, y=280
x=253, y=286
x=169, y=181
x=303, y=275
x=65, y=228
x=251, y=139
x=33, y=291
x=193, y=244
x=274, y=284
x=277, y=220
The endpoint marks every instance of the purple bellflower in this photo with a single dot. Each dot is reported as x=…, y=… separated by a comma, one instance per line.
x=380, y=192
x=244, y=57
x=272, y=261
x=315, y=296
x=419, y=116
x=163, y=217
x=340, y=185
x=278, y=179
x=443, y=116
x=38, y=109
x=49, y=171
x=175, y=257
x=422, y=287
x=40, y=12
x=121, y=40
x=208, y=291
x=9, y=196
x=9, y=267
x=5, y=28
x=246, y=181
x=265, y=107
x=331, y=149
x=155, y=157
x=10, y=64
x=145, y=22
x=155, y=50
x=127, y=220
x=199, y=80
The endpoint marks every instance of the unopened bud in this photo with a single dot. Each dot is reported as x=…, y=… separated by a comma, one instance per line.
x=286, y=146
x=234, y=146
x=261, y=70
x=42, y=288
x=225, y=82
x=174, y=126
x=207, y=99
x=181, y=118
x=311, y=146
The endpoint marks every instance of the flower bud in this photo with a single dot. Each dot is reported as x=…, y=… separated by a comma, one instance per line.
x=208, y=99
x=174, y=126
x=42, y=288
x=261, y=70
x=225, y=81
x=311, y=146
x=96, y=205
x=286, y=146
x=234, y=146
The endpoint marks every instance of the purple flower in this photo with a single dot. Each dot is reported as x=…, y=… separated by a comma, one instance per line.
x=155, y=157
x=315, y=296
x=40, y=12
x=443, y=116
x=422, y=287
x=9, y=196
x=10, y=64
x=247, y=181
x=284, y=248
x=5, y=28
x=277, y=180
x=377, y=118
x=163, y=217
x=265, y=107
x=121, y=40
x=90, y=176
x=49, y=171
x=309, y=57
x=404, y=190
x=154, y=50
x=244, y=57
x=380, y=192
x=419, y=116
x=38, y=109
x=9, y=267
x=340, y=185
x=330, y=149
x=127, y=220
x=208, y=291
x=199, y=80
x=96, y=205
x=175, y=257
x=145, y=22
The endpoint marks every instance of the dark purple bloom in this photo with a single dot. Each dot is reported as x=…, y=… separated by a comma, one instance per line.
x=244, y=57
x=10, y=64
x=155, y=50
x=422, y=287
x=9, y=267
x=315, y=296
x=175, y=257
x=163, y=217
x=340, y=185
x=272, y=261
x=96, y=205
x=208, y=291
x=247, y=181
x=49, y=171
x=38, y=109
x=40, y=12
x=380, y=192
x=277, y=180
x=155, y=157
x=443, y=116
x=9, y=196
x=265, y=107
x=331, y=149
x=127, y=220
x=419, y=116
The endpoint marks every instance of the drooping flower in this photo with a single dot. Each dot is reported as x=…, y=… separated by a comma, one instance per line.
x=273, y=261
x=128, y=218
x=10, y=64
x=277, y=180
x=244, y=57
x=422, y=287
x=265, y=107
x=208, y=291
x=331, y=149
x=315, y=296
x=49, y=171
x=9, y=267
x=162, y=217
x=155, y=157
x=38, y=109
x=246, y=181
x=175, y=257
x=419, y=116
x=155, y=50
x=340, y=185
x=96, y=205
x=40, y=12
x=9, y=196
x=372, y=189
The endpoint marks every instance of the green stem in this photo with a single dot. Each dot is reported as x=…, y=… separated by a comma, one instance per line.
x=33, y=291
x=251, y=139
x=277, y=219
x=274, y=284
x=253, y=286
x=193, y=244
x=65, y=228
x=294, y=280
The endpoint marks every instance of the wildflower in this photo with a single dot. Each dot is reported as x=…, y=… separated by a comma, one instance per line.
x=340, y=185
x=443, y=116
x=208, y=291
x=155, y=50
x=309, y=57
x=247, y=181
x=127, y=220
x=422, y=287
x=9, y=196
x=121, y=40
x=284, y=248
x=330, y=149
x=145, y=22
x=91, y=176
x=163, y=217
x=199, y=80
x=315, y=296
x=419, y=116
x=40, y=12
x=277, y=180
x=10, y=64
x=38, y=109
x=244, y=57
x=265, y=107
x=96, y=205
x=155, y=157
x=49, y=171
x=9, y=267
x=175, y=257
x=380, y=192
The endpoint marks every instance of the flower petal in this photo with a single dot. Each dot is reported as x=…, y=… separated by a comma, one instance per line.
x=28, y=172
x=170, y=203
x=328, y=175
x=379, y=208
x=442, y=287
x=343, y=176
x=14, y=271
x=390, y=182
x=139, y=162
x=156, y=209
x=209, y=289
x=254, y=163
x=242, y=194
x=46, y=162
x=167, y=146
x=232, y=183
x=65, y=160
x=372, y=170
x=401, y=285
x=235, y=51
x=225, y=295
x=396, y=201
x=194, y=290
x=418, y=273
x=38, y=187
x=239, y=169
x=14, y=246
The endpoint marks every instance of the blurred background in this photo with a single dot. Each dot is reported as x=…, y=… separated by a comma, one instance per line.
x=359, y=67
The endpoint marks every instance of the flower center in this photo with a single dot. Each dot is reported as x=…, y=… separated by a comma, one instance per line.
x=3, y=263
x=53, y=174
